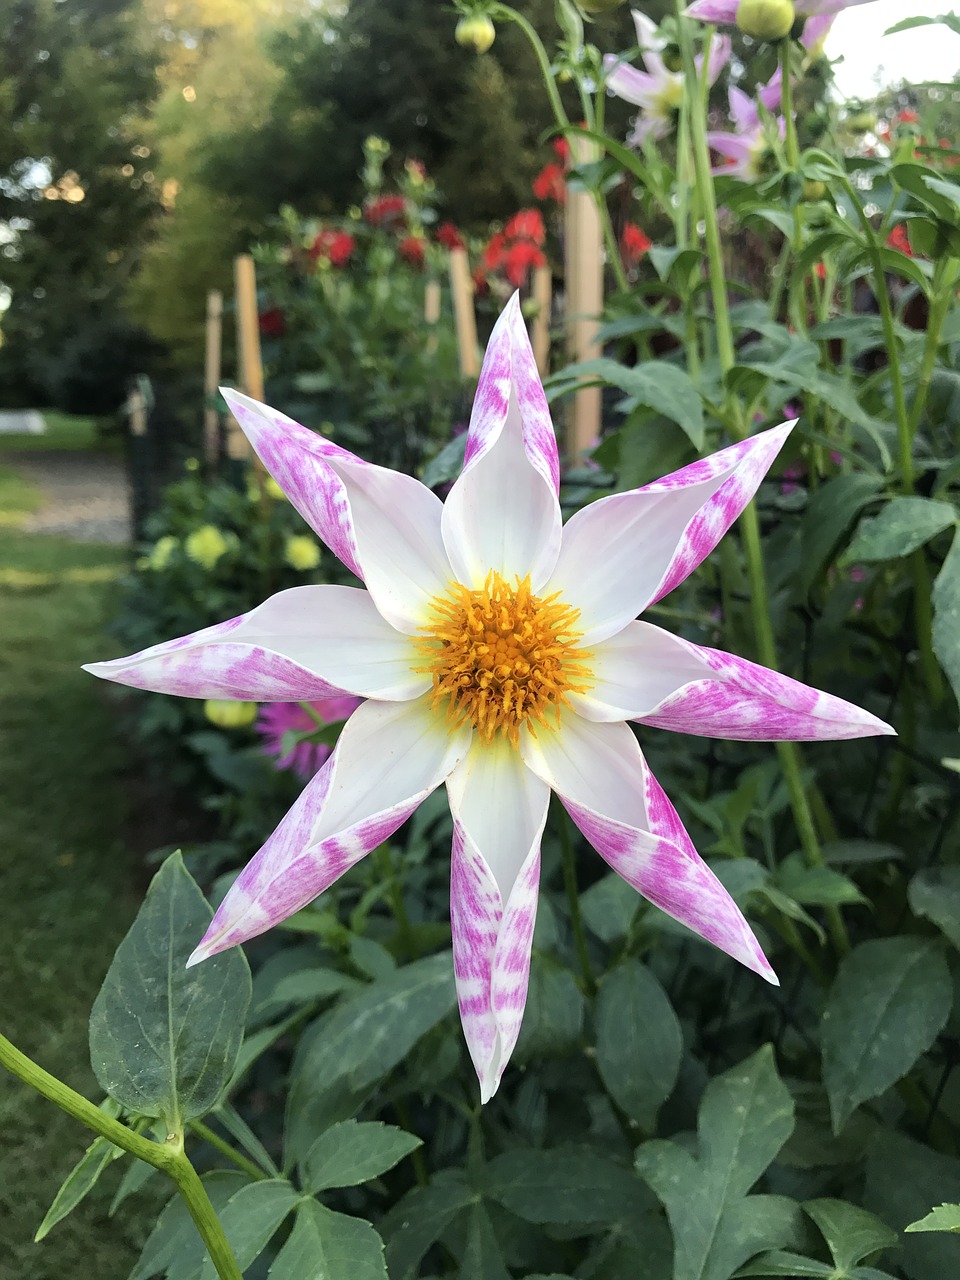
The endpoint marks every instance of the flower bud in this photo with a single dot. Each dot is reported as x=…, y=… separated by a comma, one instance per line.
x=766, y=19
x=813, y=190
x=477, y=33
x=230, y=715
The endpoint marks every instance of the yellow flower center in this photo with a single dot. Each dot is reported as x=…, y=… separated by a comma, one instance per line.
x=501, y=657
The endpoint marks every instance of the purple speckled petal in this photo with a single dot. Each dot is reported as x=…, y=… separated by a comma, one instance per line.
x=771, y=92
x=807, y=8
x=300, y=645
x=718, y=11
x=720, y=51
x=389, y=757
x=601, y=777
x=622, y=553
x=502, y=512
x=646, y=674
x=499, y=809
x=383, y=525
x=815, y=30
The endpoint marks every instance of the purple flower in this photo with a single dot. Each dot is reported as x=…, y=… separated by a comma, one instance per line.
x=276, y=719
x=748, y=148
x=656, y=91
x=498, y=652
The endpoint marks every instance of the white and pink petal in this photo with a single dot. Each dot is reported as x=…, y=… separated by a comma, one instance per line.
x=502, y=512
x=303, y=644
x=383, y=525
x=623, y=553
x=389, y=758
x=499, y=809
x=604, y=783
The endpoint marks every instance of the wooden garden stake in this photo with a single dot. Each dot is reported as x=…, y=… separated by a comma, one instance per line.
x=584, y=301
x=431, y=312
x=248, y=346
x=461, y=286
x=211, y=375
x=540, y=329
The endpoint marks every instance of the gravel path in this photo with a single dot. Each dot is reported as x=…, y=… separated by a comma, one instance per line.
x=85, y=495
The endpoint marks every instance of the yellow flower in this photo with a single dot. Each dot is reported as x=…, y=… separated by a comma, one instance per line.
x=273, y=490
x=230, y=715
x=206, y=545
x=163, y=549
x=301, y=553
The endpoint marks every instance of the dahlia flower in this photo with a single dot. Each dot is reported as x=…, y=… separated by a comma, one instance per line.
x=278, y=719
x=501, y=655
x=657, y=91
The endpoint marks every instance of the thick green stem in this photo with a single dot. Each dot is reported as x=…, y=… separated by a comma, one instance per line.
x=573, y=901
x=169, y=1157
x=944, y=285
x=204, y=1217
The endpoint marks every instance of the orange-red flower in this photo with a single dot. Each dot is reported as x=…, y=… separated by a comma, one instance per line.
x=634, y=243
x=526, y=225
x=414, y=249
x=549, y=184
x=386, y=210
x=449, y=236
x=334, y=246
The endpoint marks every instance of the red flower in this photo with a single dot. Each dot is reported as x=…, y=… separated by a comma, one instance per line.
x=821, y=270
x=449, y=236
x=493, y=253
x=634, y=243
x=518, y=260
x=549, y=184
x=908, y=117
x=899, y=239
x=386, y=210
x=561, y=149
x=526, y=225
x=414, y=249
x=335, y=246
x=480, y=285
x=273, y=323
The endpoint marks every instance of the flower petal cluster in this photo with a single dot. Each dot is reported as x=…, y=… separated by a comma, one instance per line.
x=497, y=652
x=335, y=247
x=634, y=243
x=278, y=720
x=724, y=12
x=517, y=248
x=747, y=148
x=657, y=91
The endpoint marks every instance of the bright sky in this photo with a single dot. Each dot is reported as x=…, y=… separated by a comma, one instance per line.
x=927, y=53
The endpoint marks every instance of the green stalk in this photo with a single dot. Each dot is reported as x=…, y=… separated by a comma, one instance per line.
x=219, y=1144
x=169, y=1157
x=922, y=613
x=573, y=901
x=944, y=283
x=790, y=761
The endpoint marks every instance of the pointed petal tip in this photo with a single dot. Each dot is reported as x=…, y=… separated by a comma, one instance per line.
x=202, y=951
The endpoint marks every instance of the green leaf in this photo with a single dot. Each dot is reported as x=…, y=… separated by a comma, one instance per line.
x=663, y=387
x=447, y=464
x=82, y=1178
x=855, y=853
x=746, y=1115
x=564, y=1185
x=421, y=1217
x=815, y=886
x=324, y=1245
x=946, y=617
x=164, y=1038
x=250, y=1218
x=946, y=1217
x=830, y=512
x=608, y=907
x=903, y=1179
x=789, y=1265
x=306, y=986
x=890, y=999
x=553, y=1017
x=174, y=1244
x=950, y=20
x=639, y=1041
x=482, y=1259
x=851, y=1233
x=935, y=894
x=348, y=1050
x=353, y=1152
x=902, y=526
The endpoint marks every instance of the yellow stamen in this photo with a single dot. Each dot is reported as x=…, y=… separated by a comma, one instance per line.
x=501, y=657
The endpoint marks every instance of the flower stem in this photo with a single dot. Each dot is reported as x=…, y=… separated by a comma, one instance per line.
x=169, y=1157
x=219, y=1144
x=788, y=752
x=573, y=901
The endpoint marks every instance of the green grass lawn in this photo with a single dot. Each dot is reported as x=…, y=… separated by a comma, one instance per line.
x=64, y=431
x=69, y=890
